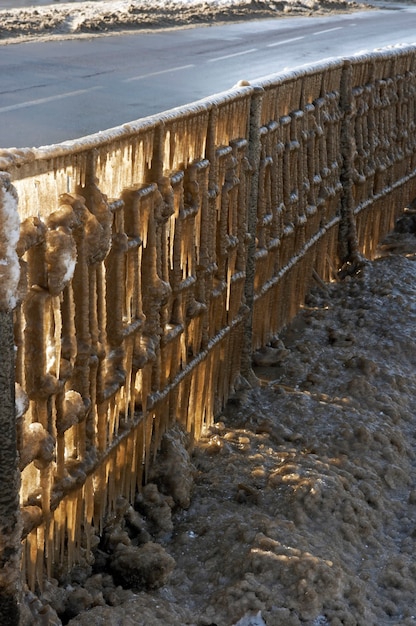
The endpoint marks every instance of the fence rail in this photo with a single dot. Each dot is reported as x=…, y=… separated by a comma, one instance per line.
x=153, y=258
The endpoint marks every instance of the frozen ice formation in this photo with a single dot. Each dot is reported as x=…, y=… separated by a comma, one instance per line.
x=10, y=232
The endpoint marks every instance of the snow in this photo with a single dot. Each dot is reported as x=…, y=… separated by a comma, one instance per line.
x=48, y=21
x=251, y=620
x=10, y=232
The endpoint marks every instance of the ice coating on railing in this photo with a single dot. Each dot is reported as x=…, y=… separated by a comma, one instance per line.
x=154, y=257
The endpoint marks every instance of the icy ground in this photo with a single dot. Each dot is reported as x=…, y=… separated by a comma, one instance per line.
x=98, y=18
x=298, y=508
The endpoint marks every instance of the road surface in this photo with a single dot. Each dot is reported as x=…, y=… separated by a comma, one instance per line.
x=59, y=90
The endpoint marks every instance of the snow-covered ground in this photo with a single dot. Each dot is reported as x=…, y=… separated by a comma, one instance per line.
x=76, y=19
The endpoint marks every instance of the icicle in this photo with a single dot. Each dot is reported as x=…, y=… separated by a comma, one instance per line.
x=172, y=225
x=59, y=533
x=112, y=489
x=79, y=524
x=201, y=391
x=129, y=289
x=88, y=498
x=140, y=447
x=32, y=544
x=50, y=546
x=81, y=440
x=69, y=443
x=99, y=487
x=70, y=528
x=112, y=420
x=144, y=217
x=148, y=435
x=183, y=249
x=229, y=278
x=102, y=426
x=127, y=389
x=134, y=464
x=128, y=468
x=40, y=555
x=138, y=388
x=207, y=415
x=166, y=358
x=132, y=394
x=160, y=416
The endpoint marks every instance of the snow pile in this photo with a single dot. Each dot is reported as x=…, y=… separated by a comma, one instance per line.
x=92, y=18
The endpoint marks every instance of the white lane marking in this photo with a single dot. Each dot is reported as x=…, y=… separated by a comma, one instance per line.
x=328, y=30
x=59, y=96
x=280, y=43
x=229, y=56
x=171, y=69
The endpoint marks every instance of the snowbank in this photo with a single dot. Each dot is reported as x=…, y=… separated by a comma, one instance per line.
x=99, y=18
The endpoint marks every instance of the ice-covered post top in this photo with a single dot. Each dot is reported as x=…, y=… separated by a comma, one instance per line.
x=9, y=236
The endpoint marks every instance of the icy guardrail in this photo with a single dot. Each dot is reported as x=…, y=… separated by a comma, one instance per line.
x=153, y=258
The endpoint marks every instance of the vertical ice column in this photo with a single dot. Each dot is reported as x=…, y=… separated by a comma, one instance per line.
x=348, y=241
x=254, y=155
x=10, y=527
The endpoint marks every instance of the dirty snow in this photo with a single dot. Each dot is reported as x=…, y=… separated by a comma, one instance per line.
x=79, y=19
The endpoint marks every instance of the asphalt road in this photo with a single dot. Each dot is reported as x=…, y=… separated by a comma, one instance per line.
x=59, y=90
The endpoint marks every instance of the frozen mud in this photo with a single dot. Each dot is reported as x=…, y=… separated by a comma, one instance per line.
x=299, y=506
x=108, y=17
